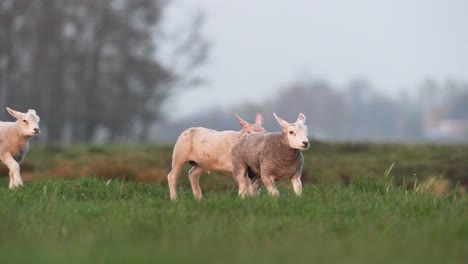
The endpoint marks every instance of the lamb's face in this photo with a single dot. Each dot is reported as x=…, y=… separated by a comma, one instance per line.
x=296, y=133
x=28, y=123
x=297, y=136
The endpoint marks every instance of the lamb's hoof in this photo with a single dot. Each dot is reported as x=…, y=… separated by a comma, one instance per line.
x=275, y=194
x=254, y=192
x=16, y=184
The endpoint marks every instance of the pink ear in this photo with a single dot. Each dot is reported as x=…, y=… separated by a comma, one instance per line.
x=259, y=119
x=301, y=118
x=283, y=124
x=15, y=114
x=242, y=122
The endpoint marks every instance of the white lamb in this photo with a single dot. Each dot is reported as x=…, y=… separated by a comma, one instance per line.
x=14, y=141
x=206, y=150
x=270, y=157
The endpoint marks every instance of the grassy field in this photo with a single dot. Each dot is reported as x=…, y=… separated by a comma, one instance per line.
x=354, y=209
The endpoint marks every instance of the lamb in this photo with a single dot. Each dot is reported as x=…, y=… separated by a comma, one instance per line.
x=206, y=150
x=270, y=157
x=14, y=142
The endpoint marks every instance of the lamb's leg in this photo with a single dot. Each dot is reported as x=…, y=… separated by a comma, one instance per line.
x=172, y=180
x=243, y=181
x=179, y=157
x=270, y=185
x=194, y=175
x=255, y=184
x=13, y=166
x=297, y=184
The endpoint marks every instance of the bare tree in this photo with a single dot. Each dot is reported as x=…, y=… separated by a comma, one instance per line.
x=91, y=66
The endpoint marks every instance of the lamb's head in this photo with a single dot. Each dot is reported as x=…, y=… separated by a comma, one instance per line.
x=296, y=133
x=27, y=123
x=251, y=128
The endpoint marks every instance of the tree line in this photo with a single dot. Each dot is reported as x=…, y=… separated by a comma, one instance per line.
x=358, y=111
x=95, y=68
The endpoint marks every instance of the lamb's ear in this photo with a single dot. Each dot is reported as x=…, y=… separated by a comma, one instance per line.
x=15, y=114
x=242, y=122
x=259, y=119
x=284, y=125
x=301, y=118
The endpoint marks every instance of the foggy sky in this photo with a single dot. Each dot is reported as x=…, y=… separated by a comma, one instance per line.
x=261, y=45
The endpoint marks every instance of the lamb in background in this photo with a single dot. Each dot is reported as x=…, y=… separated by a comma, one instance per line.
x=206, y=150
x=14, y=141
x=270, y=157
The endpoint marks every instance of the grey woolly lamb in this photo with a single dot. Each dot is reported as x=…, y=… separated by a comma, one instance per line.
x=271, y=156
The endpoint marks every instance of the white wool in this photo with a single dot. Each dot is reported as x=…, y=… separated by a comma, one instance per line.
x=206, y=150
x=14, y=142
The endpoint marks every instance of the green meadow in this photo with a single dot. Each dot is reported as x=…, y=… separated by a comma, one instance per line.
x=361, y=203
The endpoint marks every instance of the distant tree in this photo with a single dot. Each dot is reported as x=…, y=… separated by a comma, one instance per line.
x=459, y=107
x=361, y=98
x=90, y=66
x=374, y=116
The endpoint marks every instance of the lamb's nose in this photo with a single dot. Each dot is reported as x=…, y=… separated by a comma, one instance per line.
x=36, y=130
x=305, y=143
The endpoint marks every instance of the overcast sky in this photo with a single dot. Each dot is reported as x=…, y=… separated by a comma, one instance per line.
x=260, y=45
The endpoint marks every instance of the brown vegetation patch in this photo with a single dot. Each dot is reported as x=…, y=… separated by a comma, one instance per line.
x=436, y=186
x=26, y=170
x=108, y=169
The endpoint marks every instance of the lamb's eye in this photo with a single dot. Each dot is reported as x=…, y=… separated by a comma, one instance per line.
x=291, y=132
x=25, y=121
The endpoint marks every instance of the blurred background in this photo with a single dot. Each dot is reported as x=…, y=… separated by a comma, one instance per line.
x=116, y=71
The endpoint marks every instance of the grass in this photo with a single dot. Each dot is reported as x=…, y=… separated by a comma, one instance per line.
x=83, y=220
x=67, y=212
